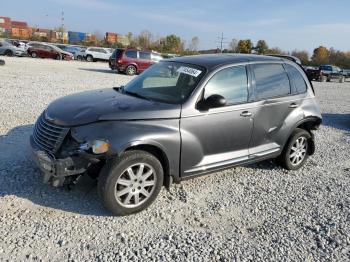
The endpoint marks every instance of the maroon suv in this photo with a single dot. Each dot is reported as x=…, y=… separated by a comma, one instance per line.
x=132, y=61
x=47, y=51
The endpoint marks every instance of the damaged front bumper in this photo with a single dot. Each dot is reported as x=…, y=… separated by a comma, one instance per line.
x=55, y=171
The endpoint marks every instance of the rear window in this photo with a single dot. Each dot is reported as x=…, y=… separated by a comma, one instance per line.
x=326, y=68
x=131, y=54
x=145, y=55
x=296, y=79
x=116, y=53
x=271, y=80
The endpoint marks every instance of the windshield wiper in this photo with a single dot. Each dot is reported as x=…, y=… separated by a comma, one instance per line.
x=135, y=95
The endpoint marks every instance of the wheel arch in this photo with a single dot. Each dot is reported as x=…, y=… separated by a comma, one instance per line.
x=308, y=124
x=157, y=151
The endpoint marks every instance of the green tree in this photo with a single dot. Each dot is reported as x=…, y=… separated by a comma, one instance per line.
x=173, y=44
x=261, y=47
x=276, y=51
x=245, y=46
x=320, y=55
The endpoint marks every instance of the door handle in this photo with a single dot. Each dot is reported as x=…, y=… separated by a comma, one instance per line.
x=293, y=105
x=246, y=114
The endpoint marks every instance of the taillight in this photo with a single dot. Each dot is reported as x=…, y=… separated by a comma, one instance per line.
x=120, y=61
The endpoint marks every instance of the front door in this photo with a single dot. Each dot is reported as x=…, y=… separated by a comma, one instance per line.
x=218, y=137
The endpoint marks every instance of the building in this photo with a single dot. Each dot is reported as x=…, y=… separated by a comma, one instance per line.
x=20, y=30
x=90, y=38
x=111, y=38
x=76, y=37
x=5, y=25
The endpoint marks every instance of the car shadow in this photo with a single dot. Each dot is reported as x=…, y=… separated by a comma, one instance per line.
x=20, y=177
x=109, y=71
x=338, y=121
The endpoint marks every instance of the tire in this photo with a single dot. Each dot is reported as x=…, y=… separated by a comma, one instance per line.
x=79, y=58
x=34, y=55
x=89, y=58
x=131, y=70
x=342, y=79
x=8, y=53
x=301, y=151
x=323, y=79
x=2, y=62
x=59, y=57
x=116, y=177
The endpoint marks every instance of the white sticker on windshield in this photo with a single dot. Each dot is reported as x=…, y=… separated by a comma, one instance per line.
x=189, y=71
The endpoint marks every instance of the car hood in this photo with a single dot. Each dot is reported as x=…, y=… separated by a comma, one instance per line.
x=66, y=53
x=106, y=104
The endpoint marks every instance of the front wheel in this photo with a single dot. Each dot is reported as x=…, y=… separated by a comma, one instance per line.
x=34, y=55
x=130, y=183
x=9, y=53
x=89, y=58
x=296, y=150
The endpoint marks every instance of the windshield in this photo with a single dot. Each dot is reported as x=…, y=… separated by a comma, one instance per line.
x=168, y=82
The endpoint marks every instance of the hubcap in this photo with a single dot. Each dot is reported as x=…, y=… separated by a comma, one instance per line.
x=135, y=185
x=298, y=151
x=131, y=71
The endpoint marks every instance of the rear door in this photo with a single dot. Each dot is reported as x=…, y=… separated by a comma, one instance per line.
x=275, y=106
x=144, y=60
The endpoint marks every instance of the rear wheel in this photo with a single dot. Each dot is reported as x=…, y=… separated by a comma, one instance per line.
x=34, y=55
x=8, y=53
x=131, y=183
x=296, y=150
x=131, y=70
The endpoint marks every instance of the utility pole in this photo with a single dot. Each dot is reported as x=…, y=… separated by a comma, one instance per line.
x=221, y=41
x=62, y=26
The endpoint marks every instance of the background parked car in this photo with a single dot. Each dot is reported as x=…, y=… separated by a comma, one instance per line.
x=48, y=51
x=132, y=61
x=8, y=49
x=93, y=54
x=326, y=73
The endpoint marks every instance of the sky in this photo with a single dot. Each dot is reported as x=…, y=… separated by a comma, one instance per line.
x=290, y=25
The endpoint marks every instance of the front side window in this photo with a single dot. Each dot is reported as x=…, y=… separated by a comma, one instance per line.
x=168, y=82
x=231, y=83
x=131, y=54
x=271, y=80
x=296, y=79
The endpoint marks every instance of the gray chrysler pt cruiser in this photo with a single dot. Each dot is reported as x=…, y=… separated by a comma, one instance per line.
x=181, y=118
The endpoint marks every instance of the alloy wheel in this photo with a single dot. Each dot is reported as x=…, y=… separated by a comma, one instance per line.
x=135, y=185
x=298, y=151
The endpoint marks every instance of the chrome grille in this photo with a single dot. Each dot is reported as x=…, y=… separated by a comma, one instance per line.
x=48, y=136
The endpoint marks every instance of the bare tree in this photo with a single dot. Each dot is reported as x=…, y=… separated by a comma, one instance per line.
x=194, y=44
x=233, y=45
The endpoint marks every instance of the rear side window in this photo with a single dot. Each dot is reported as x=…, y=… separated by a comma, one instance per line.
x=131, y=54
x=296, y=79
x=231, y=83
x=271, y=80
x=145, y=55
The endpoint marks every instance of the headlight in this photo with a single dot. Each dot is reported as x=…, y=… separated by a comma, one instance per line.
x=99, y=146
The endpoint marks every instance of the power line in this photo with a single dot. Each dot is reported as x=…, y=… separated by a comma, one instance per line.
x=62, y=26
x=221, y=41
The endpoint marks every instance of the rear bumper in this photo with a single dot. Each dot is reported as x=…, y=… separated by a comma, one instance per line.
x=55, y=170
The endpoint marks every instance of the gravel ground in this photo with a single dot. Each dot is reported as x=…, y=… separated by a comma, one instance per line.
x=258, y=212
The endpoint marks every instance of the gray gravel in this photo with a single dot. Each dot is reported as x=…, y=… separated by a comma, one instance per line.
x=258, y=212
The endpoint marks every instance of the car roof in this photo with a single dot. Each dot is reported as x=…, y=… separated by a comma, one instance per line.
x=211, y=61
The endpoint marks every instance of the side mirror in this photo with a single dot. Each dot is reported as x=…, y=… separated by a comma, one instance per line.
x=212, y=101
